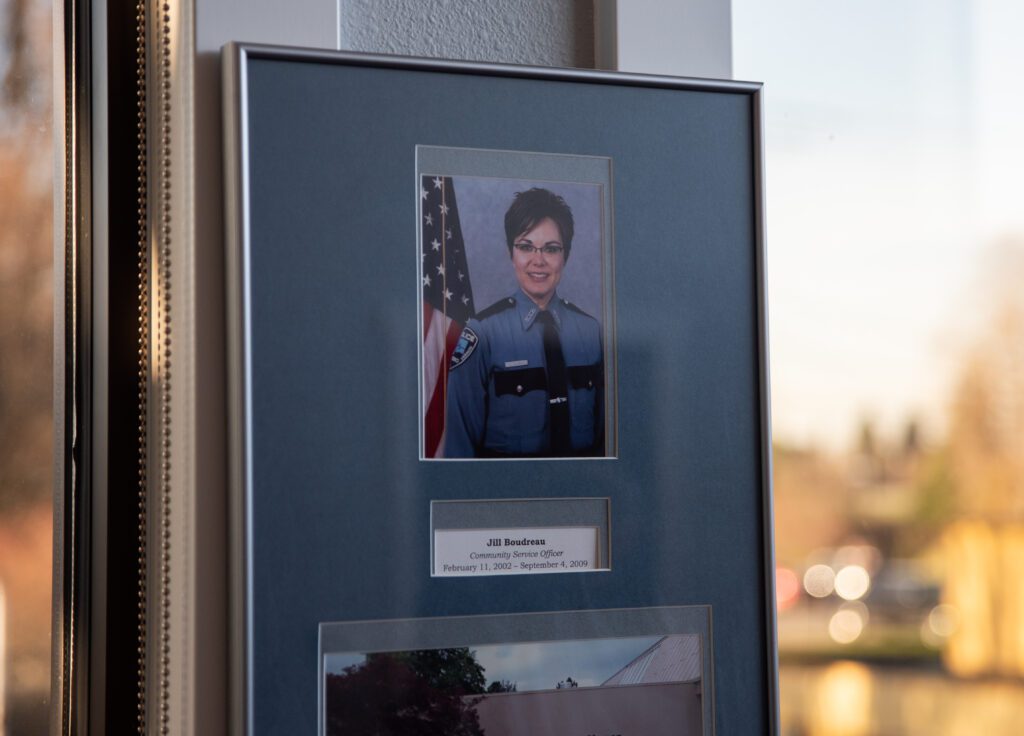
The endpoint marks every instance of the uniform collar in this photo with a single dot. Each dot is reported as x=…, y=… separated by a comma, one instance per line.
x=528, y=310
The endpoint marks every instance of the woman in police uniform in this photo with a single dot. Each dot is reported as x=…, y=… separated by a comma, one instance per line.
x=526, y=377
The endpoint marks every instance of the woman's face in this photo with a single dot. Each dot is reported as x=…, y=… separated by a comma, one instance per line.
x=537, y=272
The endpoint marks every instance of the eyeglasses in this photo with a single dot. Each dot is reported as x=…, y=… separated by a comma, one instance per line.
x=529, y=250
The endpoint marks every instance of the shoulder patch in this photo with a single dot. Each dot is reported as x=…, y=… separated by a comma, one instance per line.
x=464, y=347
x=497, y=308
x=574, y=308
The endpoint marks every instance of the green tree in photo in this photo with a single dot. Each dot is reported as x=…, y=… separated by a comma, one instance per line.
x=422, y=693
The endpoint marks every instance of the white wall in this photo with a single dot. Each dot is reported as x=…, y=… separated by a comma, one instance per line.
x=539, y=32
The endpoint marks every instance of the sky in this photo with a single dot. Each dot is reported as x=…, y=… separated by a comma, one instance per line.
x=893, y=152
x=540, y=666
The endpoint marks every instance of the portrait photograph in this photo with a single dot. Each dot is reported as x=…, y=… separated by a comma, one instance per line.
x=516, y=317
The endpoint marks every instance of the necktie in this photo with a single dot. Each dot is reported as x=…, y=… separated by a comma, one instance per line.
x=558, y=393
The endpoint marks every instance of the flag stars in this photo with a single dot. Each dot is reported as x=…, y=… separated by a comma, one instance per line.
x=442, y=251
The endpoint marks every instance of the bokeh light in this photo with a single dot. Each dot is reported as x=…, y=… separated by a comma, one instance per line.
x=819, y=581
x=944, y=620
x=852, y=582
x=941, y=623
x=787, y=588
x=846, y=626
x=842, y=702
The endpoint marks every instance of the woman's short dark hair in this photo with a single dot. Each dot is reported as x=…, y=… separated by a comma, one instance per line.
x=530, y=207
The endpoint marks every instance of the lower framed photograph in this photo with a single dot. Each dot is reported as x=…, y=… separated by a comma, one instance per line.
x=500, y=437
x=641, y=672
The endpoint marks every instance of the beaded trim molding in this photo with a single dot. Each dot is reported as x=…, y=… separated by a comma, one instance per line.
x=154, y=348
x=142, y=223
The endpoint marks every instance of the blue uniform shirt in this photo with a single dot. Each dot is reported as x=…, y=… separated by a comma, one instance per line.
x=498, y=385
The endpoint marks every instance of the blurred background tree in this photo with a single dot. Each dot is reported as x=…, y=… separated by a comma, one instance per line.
x=26, y=260
x=984, y=546
x=26, y=350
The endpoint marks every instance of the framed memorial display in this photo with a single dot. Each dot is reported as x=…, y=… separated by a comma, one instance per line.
x=500, y=425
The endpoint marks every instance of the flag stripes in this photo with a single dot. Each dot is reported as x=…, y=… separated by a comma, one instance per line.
x=447, y=300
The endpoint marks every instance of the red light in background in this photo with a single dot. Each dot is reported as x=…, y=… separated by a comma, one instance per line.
x=787, y=588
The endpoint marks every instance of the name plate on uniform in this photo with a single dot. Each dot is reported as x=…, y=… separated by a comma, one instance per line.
x=517, y=551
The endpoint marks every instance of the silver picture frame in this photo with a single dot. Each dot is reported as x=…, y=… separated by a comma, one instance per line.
x=330, y=502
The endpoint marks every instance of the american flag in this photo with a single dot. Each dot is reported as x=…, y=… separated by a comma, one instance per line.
x=447, y=300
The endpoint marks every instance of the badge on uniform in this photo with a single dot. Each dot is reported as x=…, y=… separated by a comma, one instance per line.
x=464, y=347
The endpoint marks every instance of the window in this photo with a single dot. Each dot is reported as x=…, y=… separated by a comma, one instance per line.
x=895, y=264
x=26, y=357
